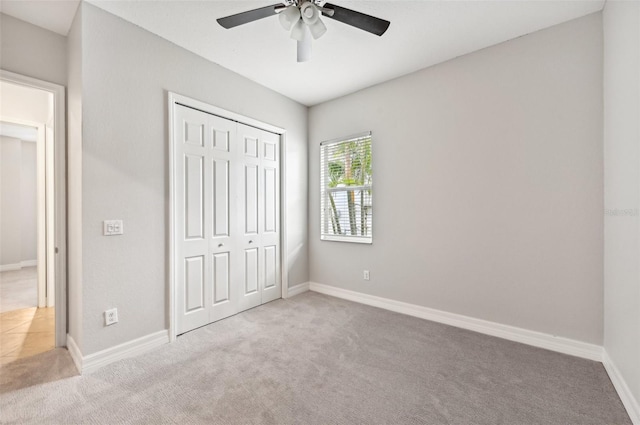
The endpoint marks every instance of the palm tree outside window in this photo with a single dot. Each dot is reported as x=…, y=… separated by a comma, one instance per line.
x=346, y=179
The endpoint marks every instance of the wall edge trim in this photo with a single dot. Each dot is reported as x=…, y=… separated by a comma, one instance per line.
x=18, y=266
x=536, y=339
x=624, y=392
x=298, y=289
x=95, y=361
x=10, y=267
x=75, y=353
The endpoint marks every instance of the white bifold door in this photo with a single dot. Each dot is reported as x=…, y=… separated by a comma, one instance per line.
x=227, y=217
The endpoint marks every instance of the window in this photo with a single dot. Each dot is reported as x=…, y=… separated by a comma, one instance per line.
x=345, y=180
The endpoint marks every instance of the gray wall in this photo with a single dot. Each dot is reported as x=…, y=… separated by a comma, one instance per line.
x=487, y=185
x=622, y=189
x=18, y=201
x=29, y=201
x=10, y=161
x=33, y=51
x=125, y=75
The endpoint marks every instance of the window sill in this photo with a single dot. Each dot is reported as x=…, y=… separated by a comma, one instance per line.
x=352, y=239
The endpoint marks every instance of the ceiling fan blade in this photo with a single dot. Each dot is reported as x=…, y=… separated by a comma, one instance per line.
x=248, y=16
x=365, y=22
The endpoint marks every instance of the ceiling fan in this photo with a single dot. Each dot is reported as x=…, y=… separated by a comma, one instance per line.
x=302, y=18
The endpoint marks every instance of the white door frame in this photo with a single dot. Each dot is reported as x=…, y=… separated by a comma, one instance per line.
x=59, y=247
x=173, y=99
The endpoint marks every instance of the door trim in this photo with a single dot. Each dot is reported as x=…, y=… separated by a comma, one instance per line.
x=178, y=99
x=60, y=225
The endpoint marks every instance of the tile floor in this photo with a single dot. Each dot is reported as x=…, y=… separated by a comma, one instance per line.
x=26, y=332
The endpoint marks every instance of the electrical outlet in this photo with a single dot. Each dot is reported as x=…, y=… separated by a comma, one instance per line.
x=112, y=227
x=365, y=275
x=111, y=316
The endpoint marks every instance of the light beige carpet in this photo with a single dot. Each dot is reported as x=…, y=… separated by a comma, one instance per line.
x=314, y=359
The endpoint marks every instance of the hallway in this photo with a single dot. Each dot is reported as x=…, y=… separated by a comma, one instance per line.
x=25, y=330
x=18, y=289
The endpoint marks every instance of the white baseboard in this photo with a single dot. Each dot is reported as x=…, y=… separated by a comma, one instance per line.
x=512, y=333
x=10, y=267
x=298, y=289
x=18, y=266
x=29, y=263
x=626, y=396
x=93, y=362
x=75, y=353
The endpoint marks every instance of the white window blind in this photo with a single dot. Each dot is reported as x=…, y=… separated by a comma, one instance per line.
x=346, y=189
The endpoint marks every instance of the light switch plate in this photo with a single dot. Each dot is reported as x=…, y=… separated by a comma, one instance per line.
x=112, y=227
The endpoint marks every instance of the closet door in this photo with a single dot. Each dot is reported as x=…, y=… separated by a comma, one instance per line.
x=192, y=246
x=270, y=237
x=204, y=244
x=260, y=213
x=223, y=246
x=227, y=217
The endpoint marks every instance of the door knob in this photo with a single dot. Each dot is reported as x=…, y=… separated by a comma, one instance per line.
x=250, y=241
x=220, y=244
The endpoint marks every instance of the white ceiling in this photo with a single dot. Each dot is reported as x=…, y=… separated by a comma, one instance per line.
x=345, y=59
x=54, y=15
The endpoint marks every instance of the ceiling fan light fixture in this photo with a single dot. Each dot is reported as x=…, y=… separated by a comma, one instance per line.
x=309, y=12
x=318, y=29
x=289, y=17
x=299, y=30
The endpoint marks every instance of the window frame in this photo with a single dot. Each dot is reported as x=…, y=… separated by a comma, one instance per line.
x=324, y=217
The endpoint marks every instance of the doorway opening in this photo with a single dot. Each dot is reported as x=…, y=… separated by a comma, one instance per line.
x=32, y=207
